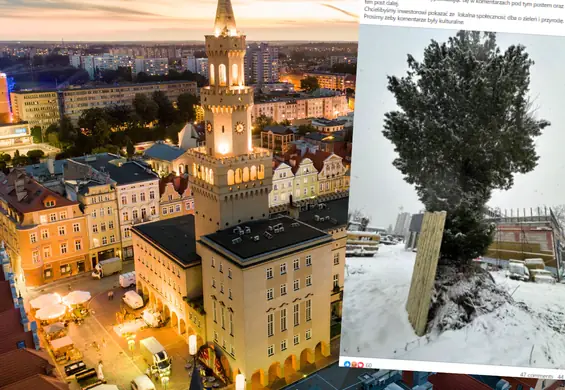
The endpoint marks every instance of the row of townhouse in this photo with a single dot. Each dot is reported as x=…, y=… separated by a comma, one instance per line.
x=50, y=236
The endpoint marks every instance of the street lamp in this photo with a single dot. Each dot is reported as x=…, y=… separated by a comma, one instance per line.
x=240, y=382
x=196, y=379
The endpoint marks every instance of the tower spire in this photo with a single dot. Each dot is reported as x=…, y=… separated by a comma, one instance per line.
x=225, y=19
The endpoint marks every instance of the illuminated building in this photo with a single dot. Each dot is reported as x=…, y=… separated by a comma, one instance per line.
x=291, y=109
x=38, y=108
x=45, y=233
x=5, y=112
x=268, y=286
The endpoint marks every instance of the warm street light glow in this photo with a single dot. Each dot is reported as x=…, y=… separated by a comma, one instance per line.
x=240, y=382
x=192, y=345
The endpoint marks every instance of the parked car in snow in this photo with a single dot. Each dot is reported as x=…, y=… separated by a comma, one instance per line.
x=542, y=276
x=518, y=271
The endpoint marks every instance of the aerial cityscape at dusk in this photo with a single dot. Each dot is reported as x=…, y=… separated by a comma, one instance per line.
x=174, y=197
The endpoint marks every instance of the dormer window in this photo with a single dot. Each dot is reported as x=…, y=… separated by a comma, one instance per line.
x=50, y=203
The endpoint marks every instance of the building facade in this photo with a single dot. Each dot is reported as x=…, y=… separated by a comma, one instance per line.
x=74, y=101
x=291, y=109
x=5, y=110
x=170, y=273
x=45, y=234
x=333, y=81
x=102, y=221
x=261, y=64
x=38, y=108
x=151, y=66
x=175, y=197
x=137, y=190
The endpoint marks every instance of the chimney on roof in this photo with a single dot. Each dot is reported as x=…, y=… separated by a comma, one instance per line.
x=51, y=165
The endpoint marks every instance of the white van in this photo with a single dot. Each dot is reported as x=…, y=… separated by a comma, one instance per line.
x=142, y=382
x=127, y=279
x=133, y=300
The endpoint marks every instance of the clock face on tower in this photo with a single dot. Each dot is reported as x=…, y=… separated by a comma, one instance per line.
x=239, y=127
x=209, y=127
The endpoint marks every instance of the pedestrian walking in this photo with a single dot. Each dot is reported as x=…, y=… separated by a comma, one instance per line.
x=109, y=295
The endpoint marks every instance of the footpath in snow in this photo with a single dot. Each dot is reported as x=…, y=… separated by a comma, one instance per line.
x=375, y=322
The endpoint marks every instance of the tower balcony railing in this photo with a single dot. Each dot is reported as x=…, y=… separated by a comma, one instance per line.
x=226, y=91
x=201, y=154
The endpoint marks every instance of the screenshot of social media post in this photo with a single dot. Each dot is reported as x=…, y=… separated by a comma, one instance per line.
x=456, y=241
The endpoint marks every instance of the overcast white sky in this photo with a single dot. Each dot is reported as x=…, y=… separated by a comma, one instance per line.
x=378, y=189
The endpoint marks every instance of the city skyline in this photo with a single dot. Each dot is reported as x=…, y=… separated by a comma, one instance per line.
x=123, y=20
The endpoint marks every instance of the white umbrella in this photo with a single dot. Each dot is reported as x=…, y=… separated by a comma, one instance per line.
x=76, y=297
x=51, y=312
x=45, y=300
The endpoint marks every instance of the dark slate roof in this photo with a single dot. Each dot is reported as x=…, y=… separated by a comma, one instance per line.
x=175, y=236
x=126, y=173
x=336, y=210
x=278, y=129
x=41, y=170
x=164, y=152
x=295, y=233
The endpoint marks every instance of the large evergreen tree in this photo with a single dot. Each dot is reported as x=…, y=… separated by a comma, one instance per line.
x=463, y=128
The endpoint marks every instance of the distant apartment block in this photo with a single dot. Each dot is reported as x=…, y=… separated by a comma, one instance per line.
x=75, y=100
x=202, y=67
x=151, y=66
x=189, y=63
x=402, y=225
x=261, y=64
x=349, y=60
x=333, y=81
x=280, y=109
x=37, y=108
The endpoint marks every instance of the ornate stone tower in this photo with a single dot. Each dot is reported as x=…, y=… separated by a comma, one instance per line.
x=230, y=178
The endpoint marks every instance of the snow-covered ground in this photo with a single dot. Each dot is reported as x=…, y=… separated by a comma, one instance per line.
x=375, y=323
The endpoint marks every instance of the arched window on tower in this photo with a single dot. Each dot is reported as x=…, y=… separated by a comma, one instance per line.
x=202, y=173
x=253, y=173
x=261, y=173
x=231, y=177
x=212, y=75
x=245, y=174
x=222, y=75
x=238, y=176
x=211, y=178
x=194, y=170
x=234, y=74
